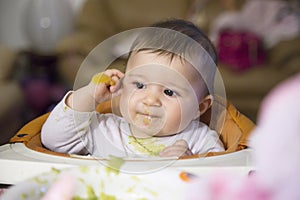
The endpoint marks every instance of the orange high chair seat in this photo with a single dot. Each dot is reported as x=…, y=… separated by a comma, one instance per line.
x=234, y=133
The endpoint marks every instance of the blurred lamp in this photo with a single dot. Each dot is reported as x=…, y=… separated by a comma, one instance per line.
x=46, y=23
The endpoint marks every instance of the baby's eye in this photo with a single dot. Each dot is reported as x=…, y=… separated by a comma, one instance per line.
x=170, y=93
x=139, y=85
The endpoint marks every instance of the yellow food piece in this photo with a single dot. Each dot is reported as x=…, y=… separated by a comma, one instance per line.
x=114, y=164
x=146, y=121
x=103, y=78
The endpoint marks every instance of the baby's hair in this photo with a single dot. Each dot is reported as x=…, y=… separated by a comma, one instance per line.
x=166, y=42
x=192, y=31
x=183, y=39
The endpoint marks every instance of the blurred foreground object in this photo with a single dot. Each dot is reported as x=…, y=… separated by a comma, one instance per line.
x=275, y=141
x=62, y=189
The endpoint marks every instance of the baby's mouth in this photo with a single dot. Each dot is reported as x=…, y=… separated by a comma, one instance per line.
x=147, y=118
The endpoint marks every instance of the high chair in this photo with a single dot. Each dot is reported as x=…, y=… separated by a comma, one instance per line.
x=234, y=132
x=25, y=156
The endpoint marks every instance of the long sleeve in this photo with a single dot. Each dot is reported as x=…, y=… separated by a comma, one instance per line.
x=67, y=131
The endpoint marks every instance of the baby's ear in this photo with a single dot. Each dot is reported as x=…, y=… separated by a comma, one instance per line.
x=205, y=104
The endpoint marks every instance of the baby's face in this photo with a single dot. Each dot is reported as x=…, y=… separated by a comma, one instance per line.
x=160, y=97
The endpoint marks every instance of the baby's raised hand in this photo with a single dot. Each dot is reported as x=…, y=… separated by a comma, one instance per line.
x=104, y=84
x=179, y=148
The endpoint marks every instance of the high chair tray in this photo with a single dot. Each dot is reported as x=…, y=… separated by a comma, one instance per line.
x=18, y=163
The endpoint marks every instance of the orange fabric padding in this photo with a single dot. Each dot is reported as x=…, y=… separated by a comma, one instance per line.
x=30, y=135
x=234, y=134
x=238, y=124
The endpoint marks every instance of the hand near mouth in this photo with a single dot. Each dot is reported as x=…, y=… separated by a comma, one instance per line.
x=100, y=89
x=104, y=84
x=179, y=148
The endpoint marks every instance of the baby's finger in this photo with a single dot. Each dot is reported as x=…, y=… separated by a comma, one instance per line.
x=173, y=151
x=176, y=153
x=117, y=85
x=114, y=72
x=179, y=148
x=182, y=143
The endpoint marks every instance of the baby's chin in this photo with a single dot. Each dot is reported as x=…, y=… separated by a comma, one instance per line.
x=145, y=132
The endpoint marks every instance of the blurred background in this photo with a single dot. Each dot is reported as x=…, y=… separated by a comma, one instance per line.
x=43, y=43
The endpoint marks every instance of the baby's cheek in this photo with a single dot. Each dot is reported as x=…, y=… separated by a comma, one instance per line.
x=173, y=120
x=188, y=113
x=127, y=106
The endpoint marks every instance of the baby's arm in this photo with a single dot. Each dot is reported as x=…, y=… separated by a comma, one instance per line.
x=98, y=90
x=65, y=130
x=67, y=126
x=179, y=148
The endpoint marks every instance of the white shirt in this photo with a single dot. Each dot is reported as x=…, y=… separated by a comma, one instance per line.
x=102, y=135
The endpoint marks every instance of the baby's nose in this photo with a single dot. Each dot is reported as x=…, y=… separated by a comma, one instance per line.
x=152, y=99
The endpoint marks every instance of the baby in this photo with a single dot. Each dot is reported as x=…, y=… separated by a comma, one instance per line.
x=165, y=89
